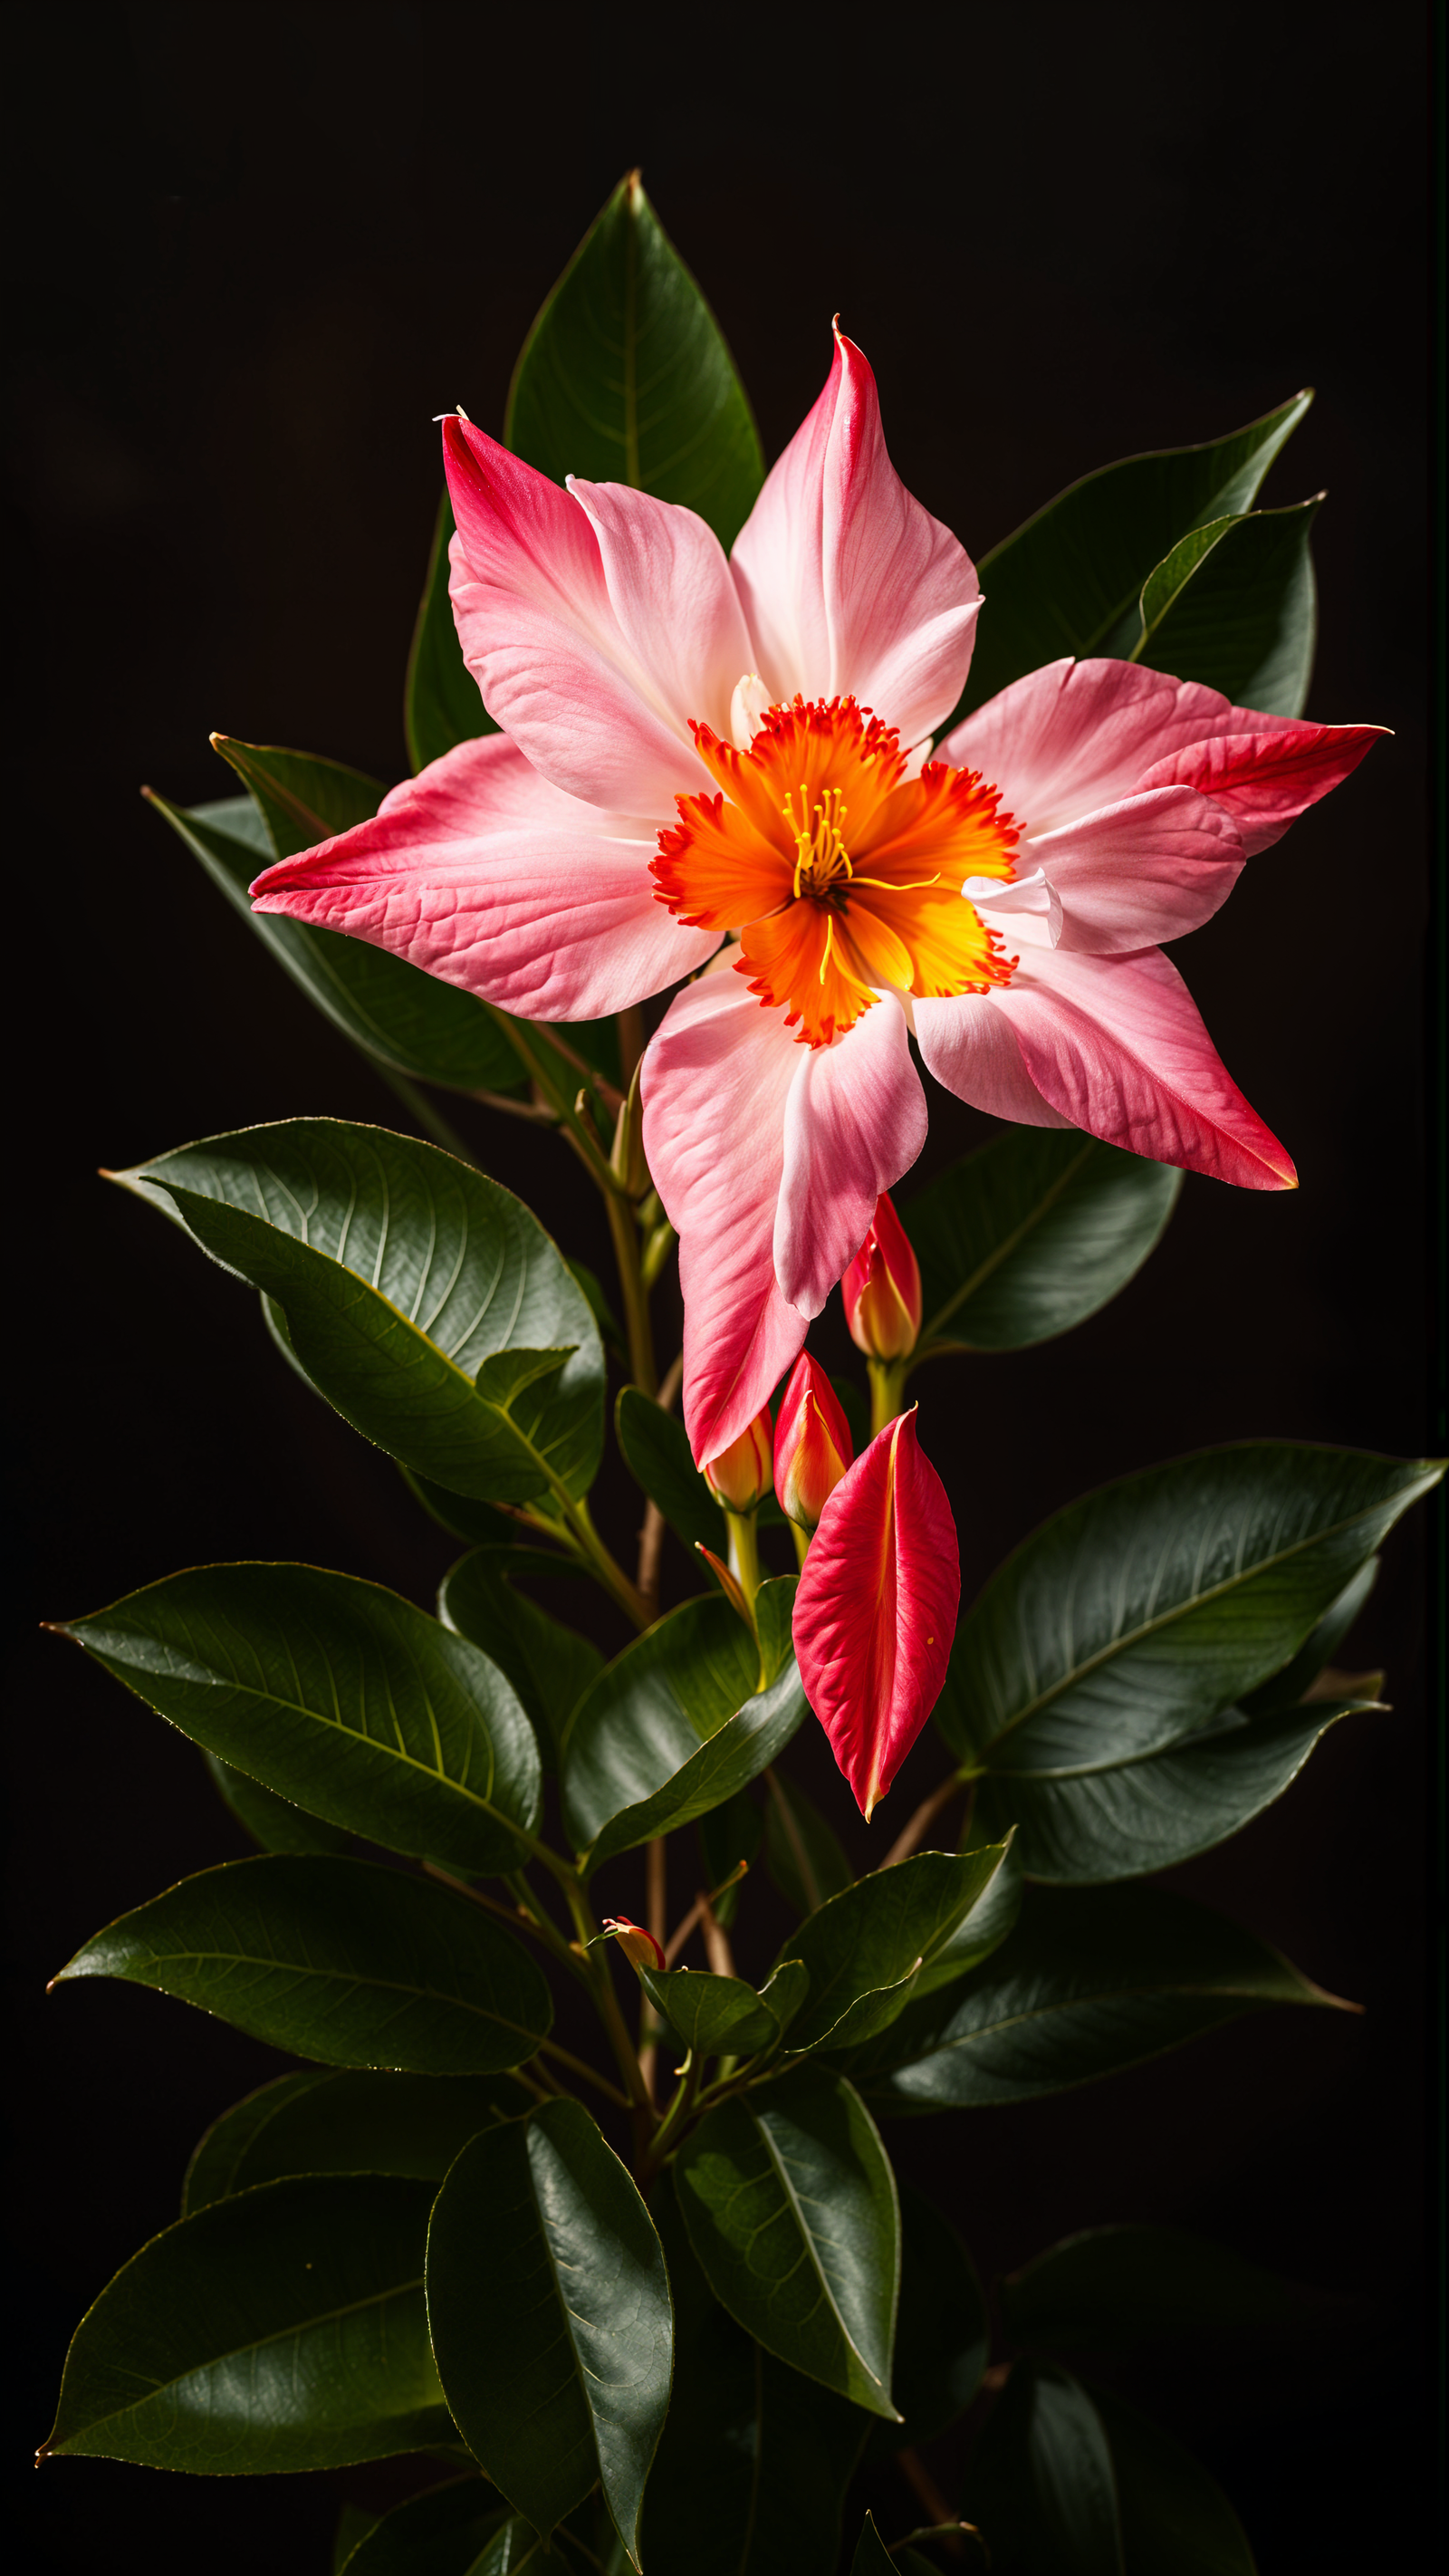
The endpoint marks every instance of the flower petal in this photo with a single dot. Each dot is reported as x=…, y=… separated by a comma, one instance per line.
x=1134, y=874
x=970, y=1047
x=670, y=589
x=876, y=1610
x=541, y=637
x=1265, y=780
x=855, y=1119
x=483, y=874
x=715, y=1080
x=850, y=587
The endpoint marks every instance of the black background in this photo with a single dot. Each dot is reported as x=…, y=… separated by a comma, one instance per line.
x=258, y=248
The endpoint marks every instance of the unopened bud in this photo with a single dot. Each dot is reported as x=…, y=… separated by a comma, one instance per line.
x=638, y=1946
x=882, y=1289
x=740, y=1476
x=813, y=1446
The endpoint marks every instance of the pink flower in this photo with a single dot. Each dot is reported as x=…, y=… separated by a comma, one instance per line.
x=722, y=762
x=881, y=1289
x=813, y=1447
x=740, y=1476
x=876, y=1609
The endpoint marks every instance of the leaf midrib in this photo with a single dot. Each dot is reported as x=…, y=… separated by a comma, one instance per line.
x=303, y=1968
x=1008, y=1245
x=797, y=2213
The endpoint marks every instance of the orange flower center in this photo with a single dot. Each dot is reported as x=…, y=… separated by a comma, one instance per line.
x=838, y=874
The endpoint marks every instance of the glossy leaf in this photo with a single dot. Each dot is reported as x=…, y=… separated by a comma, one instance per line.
x=655, y=1448
x=273, y=1823
x=425, y=1302
x=1176, y=2520
x=943, y=2333
x=863, y=1947
x=677, y=1723
x=442, y=2533
x=872, y=2558
x=1032, y=1234
x=715, y=2016
x=337, y=1960
x=550, y=1666
x=1235, y=605
x=625, y=378
x=802, y=1853
x=1090, y=1981
x=982, y=1928
x=326, y=2121
x=548, y=2301
x=790, y=2204
x=396, y=1014
x=1116, y=2286
x=1134, y=1615
x=481, y=1524
x=1286, y=1689
x=1070, y=579
x=339, y=1696
x=1042, y=2484
x=280, y=2330
x=442, y=703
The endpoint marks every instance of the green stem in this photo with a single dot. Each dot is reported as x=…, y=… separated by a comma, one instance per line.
x=744, y=1553
x=606, y=1566
x=887, y=1392
x=606, y=2002
x=635, y=1295
x=579, y=2066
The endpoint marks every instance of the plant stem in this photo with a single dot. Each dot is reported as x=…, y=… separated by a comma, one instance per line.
x=610, y=1573
x=578, y=2066
x=924, y=1817
x=744, y=1553
x=606, y=2002
x=625, y=1232
x=887, y=1392
x=656, y=1915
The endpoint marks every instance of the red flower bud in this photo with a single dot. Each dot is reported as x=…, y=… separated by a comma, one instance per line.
x=882, y=1289
x=637, y=1945
x=813, y=1446
x=740, y=1476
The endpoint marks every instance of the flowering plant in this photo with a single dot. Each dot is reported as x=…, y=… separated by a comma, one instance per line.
x=859, y=813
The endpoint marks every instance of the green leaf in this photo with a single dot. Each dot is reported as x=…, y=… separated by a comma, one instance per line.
x=337, y=1960
x=442, y=703
x=625, y=378
x=728, y=1835
x=321, y=2121
x=1042, y=2484
x=402, y=1274
x=548, y=2301
x=802, y=1854
x=655, y=1448
x=943, y=2334
x=464, y=1516
x=397, y=1014
x=1116, y=2286
x=442, y=2533
x=1069, y=581
x=678, y=1722
x=339, y=1696
x=790, y=2204
x=1032, y=1234
x=1137, y=1613
x=864, y=1946
x=1235, y=605
x=353, y=2525
x=983, y=1928
x=1176, y=2520
x=280, y=2330
x=301, y=799
x=1289, y=1687
x=550, y=1666
x=1133, y=1817
x=872, y=2558
x=1091, y=1980
x=273, y=1823
x=715, y=2016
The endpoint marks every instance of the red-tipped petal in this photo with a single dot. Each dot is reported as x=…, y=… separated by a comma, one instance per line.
x=1265, y=780
x=637, y=1944
x=813, y=1447
x=876, y=1610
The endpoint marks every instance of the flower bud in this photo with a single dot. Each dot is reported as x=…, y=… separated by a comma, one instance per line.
x=740, y=1476
x=813, y=1446
x=882, y=1289
x=638, y=1946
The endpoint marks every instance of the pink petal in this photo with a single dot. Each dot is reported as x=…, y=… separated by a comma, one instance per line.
x=855, y=1119
x=1116, y=1044
x=850, y=587
x=875, y=1613
x=670, y=589
x=1136, y=873
x=482, y=873
x=715, y=1081
x=540, y=635
x=970, y=1047
x=1265, y=780
x=1076, y=735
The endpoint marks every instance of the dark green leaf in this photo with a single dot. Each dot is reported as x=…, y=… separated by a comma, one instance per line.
x=1123, y=1821
x=715, y=2016
x=273, y=1823
x=548, y=2301
x=442, y=703
x=550, y=1666
x=1042, y=2484
x=655, y=1449
x=1134, y=1615
x=1176, y=2520
x=624, y=377
x=323, y=2121
x=404, y=1275
x=282, y=2329
x=872, y=2558
x=728, y=1835
x=983, y=1928
x=481, y=1524
x=1090, y=1981
x=403, y=1018
x=801, y=1853
x=1069, y=581
x=353, y=2525
x=790, y=2204
x=1286, y=1689
x=943, y=2335
x=338, y=1960
x=677, y=1723
x=601, y=1310
x=1234, y=605
x=1031, y=1235
x=863, y=1947
x=339, y=1696
x=301, y=799
x=1115, y=2286
x=443, y=2533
